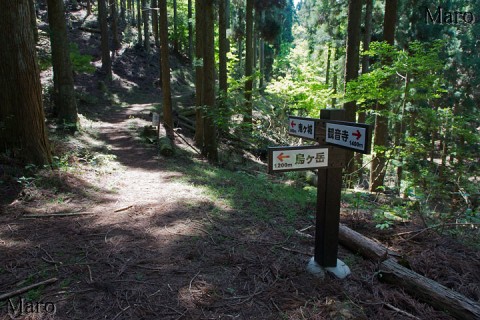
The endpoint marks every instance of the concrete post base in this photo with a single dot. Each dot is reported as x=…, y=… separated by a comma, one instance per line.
x=341, y=271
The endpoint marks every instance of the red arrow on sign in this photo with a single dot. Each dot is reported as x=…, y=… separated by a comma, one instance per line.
x=293, y=124
x=281, y=156
x=357, y=134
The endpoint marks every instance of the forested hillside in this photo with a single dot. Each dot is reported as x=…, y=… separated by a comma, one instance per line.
x=135, y=180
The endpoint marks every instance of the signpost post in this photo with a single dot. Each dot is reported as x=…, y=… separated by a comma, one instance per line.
x=332, y=135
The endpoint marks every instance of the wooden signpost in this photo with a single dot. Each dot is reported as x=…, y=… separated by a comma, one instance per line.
x=332, y=135
x=297, y=158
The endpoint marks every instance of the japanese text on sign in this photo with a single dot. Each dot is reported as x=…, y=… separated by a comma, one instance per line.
x=351, y=137
x=295, y=158
x=301, y=127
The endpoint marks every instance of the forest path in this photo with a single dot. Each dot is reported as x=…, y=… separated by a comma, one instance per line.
x=143, y=178
x=143, y=182
x=163, y=238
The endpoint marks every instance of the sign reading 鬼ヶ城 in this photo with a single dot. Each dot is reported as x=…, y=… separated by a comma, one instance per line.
x=354, y=137
x=297, y=158
x=301, y=127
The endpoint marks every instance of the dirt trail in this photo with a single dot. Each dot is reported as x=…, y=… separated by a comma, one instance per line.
x=136, y=247
x=158, y=246
x=142, y=179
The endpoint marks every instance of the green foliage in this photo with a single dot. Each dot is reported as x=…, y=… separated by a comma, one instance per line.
x=358, y=201
x=386, y=216
x=182, y=22
x=254, y=194
x=44, y=62
x=300, y=87
x=412, y=75
x=80, y=62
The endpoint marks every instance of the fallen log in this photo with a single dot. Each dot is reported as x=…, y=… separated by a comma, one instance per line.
x=185, y=119
x=358, y=243
x=166, y=146
x=433, y=293
x=188, y=112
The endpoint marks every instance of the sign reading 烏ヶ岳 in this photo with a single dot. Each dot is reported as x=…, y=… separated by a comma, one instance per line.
x=297, y=158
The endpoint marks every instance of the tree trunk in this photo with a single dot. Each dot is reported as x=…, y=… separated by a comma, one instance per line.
x=165, y=145
x=199, y=43
x=365, y=68
x=190, y=30
x=139, y=23
x=435, y=294
x=23, y=134
x=240, y=21
x=391, y=271
x=248, y=115
x=123, y=9
x=460, y=140
x=175, y=26
x=223, y=44
x=368, y=35
x=377, y=169
x=352, y=66
x=64, y=91
x=33, y=19
x=262, y=56
x=400, y=135
x=89, y=8
x=327, y=73
x=155, y=23
x=102, y=17
x=146, y=32
x=210, y=132
x=167, y=96
x=261, y=82
x=255, y=32
x=114, y=25
x=131, y=11
x=433, y=138
x=222, y=65
x=358, y=243
x=444, y=147
x=335, y=76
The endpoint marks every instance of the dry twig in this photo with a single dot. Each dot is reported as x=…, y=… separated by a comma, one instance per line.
x=121, y=311
x=27, y=288
x=441, y=225
x=90, y=273
x=191, y=281
x=296, y=251
x=123, y=209
x=60, y=214
x=405, y=313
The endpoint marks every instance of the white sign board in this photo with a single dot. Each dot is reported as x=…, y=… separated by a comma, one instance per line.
x=155, y=119
x=301, y=127
x=351, y=137
x=297, y=158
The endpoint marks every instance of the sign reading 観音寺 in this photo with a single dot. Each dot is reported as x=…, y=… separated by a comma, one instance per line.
x=297, y=158
x=350, y=136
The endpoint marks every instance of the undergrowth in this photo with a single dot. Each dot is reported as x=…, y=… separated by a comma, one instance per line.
x=255, y=194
